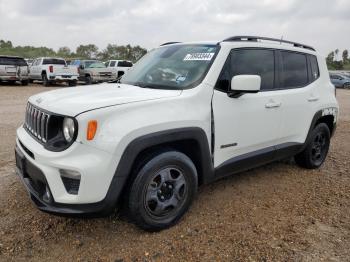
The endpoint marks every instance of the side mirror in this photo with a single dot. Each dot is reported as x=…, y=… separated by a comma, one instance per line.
x=242, y=84
x=81, y=67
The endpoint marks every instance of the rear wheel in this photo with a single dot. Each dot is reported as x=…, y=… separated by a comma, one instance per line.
x=24, y=82
x=31, y=81
x=162, y=191
x=317, y=148
x=45, y=80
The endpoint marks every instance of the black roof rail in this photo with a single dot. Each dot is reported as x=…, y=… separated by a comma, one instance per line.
x=170, y=43
x=256, y=38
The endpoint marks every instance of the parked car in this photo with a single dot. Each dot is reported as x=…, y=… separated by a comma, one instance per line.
x=340, y=80
x=93, y=71
x=13, y=69
x=119, y=67
x=184, y=115
x=51, y=70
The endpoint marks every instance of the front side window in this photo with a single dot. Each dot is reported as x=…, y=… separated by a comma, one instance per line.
x=249, y=62
x=294, y=72
x=172, y=67
x=112, y=64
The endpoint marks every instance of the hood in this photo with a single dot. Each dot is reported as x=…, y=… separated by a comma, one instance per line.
x=75, y=100
x=99, y=70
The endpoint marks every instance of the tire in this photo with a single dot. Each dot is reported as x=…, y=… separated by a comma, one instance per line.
x=31, y=81
x=45, y=80
x=316, y=150
x=24, y=82
x=346, y=85
x=162, y=191
x=72, y=83
x=88, y=80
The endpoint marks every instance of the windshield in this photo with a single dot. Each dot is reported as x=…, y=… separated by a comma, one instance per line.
x=172, y=67
x=96, y=65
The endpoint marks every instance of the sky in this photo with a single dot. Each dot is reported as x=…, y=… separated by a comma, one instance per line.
x=324, y=24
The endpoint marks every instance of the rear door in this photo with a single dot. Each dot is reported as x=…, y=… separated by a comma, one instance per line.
x=249, y=125
x=299, y=78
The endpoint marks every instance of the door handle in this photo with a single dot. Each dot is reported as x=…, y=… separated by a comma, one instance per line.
x=273, y=105
x=312, y=99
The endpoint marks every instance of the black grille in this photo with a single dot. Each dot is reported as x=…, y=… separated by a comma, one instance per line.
x=37, y=122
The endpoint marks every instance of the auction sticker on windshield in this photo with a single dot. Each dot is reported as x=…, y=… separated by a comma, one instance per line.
x=199, y=57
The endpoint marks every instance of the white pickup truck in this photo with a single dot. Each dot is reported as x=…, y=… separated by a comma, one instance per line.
x=50, y=70
x=119, y=67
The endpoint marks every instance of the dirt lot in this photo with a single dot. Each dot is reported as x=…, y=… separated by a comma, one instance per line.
x=278, y=212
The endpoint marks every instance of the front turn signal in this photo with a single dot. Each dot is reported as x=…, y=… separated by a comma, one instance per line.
x=91, y=130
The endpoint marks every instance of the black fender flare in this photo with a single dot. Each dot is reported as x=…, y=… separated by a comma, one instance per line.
x=142, y=143
x=333, y=111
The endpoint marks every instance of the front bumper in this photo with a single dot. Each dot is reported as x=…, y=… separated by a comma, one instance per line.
x=39, y=171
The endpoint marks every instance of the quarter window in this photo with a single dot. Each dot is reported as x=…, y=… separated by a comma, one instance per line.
x=315, y=72
x=294, y=70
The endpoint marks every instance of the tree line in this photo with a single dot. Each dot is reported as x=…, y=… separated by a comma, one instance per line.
x=126, y=52
x=334, y=63
x=90, y=51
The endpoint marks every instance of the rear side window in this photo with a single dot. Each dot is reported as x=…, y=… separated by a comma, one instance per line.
x=124, y=64
x=315, y=72
x=112, y=64
x=14, y=61
x=249, y=62
x=293, y=70
x=53, y=61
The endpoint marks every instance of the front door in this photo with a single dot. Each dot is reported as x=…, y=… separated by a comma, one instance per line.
x=248, y=125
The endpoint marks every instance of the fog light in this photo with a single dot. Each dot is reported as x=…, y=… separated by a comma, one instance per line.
x=47, y=195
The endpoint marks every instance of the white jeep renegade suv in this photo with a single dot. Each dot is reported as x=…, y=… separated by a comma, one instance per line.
x=186, y=114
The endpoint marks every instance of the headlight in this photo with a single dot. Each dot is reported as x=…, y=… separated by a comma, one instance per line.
x=68, y=129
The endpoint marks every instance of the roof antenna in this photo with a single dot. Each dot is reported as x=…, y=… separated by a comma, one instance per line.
x=281, y=40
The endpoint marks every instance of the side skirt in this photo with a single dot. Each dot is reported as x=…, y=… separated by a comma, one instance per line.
x=256, y=158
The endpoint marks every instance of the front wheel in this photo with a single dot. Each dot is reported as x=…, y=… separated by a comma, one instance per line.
x=162, y=191
x=346, y=85
x=24, y=82
x=88, y=80
x=316, y=149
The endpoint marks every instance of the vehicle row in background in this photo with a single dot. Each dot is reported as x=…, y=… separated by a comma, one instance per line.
x=50, y=70
x=13, y=69
x=340, y=79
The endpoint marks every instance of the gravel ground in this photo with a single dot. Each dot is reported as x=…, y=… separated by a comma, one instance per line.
x=278, y=212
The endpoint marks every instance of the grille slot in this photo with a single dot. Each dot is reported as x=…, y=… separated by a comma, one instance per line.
x=37, y=122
